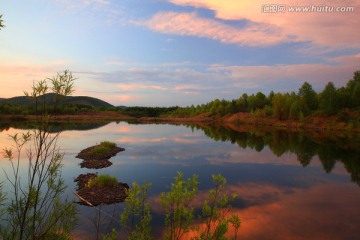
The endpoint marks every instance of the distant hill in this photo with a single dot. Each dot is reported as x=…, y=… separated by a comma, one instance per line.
x=50, y=99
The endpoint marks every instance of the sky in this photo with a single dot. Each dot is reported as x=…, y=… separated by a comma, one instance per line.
x=178, y=52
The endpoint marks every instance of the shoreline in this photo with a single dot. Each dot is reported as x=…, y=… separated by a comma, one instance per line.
x=235, y=121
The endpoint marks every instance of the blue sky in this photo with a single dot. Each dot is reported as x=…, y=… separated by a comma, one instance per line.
x=176, y=52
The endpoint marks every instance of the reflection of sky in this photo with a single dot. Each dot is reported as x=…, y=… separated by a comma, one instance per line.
x=278, y=198
x=296, y=213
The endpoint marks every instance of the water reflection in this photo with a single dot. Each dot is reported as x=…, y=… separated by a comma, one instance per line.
x=97, y=221
x=329, y=149
x=55, y=127
x=290, y=185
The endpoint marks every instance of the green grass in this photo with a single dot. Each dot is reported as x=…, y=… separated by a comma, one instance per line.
x=108, y=144
x=103, y=147
x=103, y=180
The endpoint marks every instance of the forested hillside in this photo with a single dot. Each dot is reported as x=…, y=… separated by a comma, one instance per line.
x=68, y=104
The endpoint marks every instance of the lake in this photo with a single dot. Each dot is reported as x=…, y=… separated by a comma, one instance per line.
x=289, y=185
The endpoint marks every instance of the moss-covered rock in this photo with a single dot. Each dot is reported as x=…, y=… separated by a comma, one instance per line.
x=94, y=194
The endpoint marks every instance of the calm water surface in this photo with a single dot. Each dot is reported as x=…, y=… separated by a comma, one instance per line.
x=289, y=186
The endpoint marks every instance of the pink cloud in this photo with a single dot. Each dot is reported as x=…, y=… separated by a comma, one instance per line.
x=74, y=5
x=324, y=28
x=192, y=93
x=141, y=140
x=129, y=87
x=187, y=87
x=251, y=35
x=19, y=77
x=157, y=140
x=125, y=98
x=186, y=140
x=339, y=72
x=117, y=63
x=124, y=129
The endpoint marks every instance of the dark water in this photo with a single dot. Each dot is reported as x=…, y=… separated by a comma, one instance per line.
x=289, y=185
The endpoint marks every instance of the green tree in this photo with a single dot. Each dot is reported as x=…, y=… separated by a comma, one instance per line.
x=257, y=101
x=295, y=112
x=260, y=100
x=242, y=103
x=136, y=217
x=215, y=106
x=343, y=98
x=353, y=90
x=251, y=103
x=281, y=106
x=215, y=212
x=233, y=108
x=308, y=99
x=277, y=106
x=329, y=100
x=271, y=95
x=224, y=107
x=179, y=214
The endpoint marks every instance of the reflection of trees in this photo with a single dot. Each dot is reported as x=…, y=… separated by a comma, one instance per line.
x=279, y=143
x=329, y=149
x=304, y=149
x=328, y=155
x=54, y=127
x=242, y=139
x=353, y=167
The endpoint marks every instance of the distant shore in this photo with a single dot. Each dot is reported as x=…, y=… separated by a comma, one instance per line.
x=235, y=121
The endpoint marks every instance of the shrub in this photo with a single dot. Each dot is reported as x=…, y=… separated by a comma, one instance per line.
x=179, y=209
x=36, y=207
x=102, y=181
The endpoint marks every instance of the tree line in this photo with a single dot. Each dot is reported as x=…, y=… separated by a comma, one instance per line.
x=342, y=101
x=286, y=106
